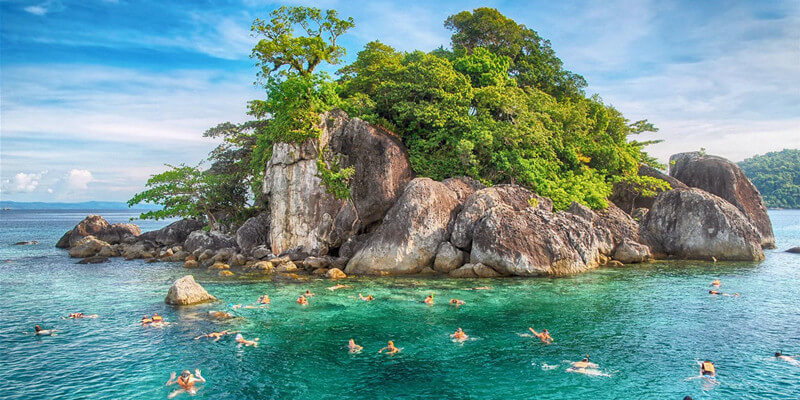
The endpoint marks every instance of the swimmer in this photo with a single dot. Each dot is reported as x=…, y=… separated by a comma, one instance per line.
x=716, y=283
x=146, y=320
x=480, y=288
x=157, y=318
x=242, y=341
x=354, y=348
x=715, y=292
x=544, y=335
x=215, y=335
x=264, y=299
x=707, y=368
x=457, y=302
x=429, y=300
x=586, y=367
x=339, y=286
x=79, y=315
x=367, y=298
x=585, y=363
x=309, y=294
x=390, y=348
x=186, y=382
x=788, y=359
x=459, y=335
x=43, y=332
x=302, y=300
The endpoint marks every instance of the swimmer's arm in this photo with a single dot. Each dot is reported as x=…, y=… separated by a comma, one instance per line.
x=199, y=377
x=381, y=350
x=171, y=380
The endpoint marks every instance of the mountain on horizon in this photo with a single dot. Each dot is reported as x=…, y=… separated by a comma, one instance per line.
x=91, y=205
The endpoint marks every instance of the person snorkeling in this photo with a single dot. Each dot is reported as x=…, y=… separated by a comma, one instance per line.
x=716, y=293
x=43, y=332
x=366, y=298
x=302, y=300
x=157, y=318
x=459, y=335
x=79, y=315
x=544, y=335
x=242, y=341
x=457, y=302
x=789, y=359
x=309, y=294
x=707, y=368
x=390, y=348
x=716, y=283
x=146, y=320
x=429, y=300
x=264, y=299
x=338, y=286
x=186, y=381
x=354, y=348
x=215, y=335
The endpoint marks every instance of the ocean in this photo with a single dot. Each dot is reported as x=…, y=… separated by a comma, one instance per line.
x=646, y=326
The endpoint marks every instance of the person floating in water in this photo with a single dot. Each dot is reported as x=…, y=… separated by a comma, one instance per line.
x=429, y=300
x=459, y=335
x=157, y=318
x=457, y=302
x=367, y=298
x=715, y=293
x=716, y=283
x=146, y=320
x=215, y=335
x=79, y=315
x=584, y=366
x=789, y=359
x=339, y=286
x=242, y=341
x=544, y=335
x=707, y=368
x=309, y=294
x=186, y=382
x=302, y=300
x=264, y=299
x=43, y=332
x=390, y=348
x=354, y=348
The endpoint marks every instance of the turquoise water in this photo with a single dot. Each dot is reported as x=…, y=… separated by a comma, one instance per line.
x=646, y=326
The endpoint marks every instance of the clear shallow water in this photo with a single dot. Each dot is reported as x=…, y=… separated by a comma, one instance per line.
x=646, y=326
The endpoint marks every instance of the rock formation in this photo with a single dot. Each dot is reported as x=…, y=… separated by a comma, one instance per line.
x=253, y=233
x=98, y=227
x=307, y=219
x=186, y=291
x=694, y=224
x=174, y=233
x=725, y=179
x=212, y=240
x=626, y=198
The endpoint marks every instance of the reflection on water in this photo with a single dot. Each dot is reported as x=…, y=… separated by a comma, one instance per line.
x=645, y=327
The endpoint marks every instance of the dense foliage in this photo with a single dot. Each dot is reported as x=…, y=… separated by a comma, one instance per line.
x=498, y=106
x=777, y=177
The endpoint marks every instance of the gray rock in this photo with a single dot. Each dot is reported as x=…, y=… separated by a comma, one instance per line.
x=87, y=247
x=407, y=240
x=725, y=179
x=317, y=262
x=186, y=291
x=208, y=240
x=97, y=226
x=448, y=258
x=794, y=250
x=621, y=225
x=253, y=233
x=694, y=224
x=27, y=243
x=94, y=260
x=476, y=270
x=303, y=214
x=630, y=252
x=119, y=233
x=174, y=233
x=626, y=197
x=352, y=245
x=261, y=252
x=335, y=273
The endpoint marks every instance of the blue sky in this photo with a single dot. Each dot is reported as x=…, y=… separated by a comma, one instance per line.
x=98, y=94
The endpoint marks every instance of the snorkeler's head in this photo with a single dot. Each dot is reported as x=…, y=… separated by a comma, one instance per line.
x=778, y=354
x=185, y=374
x=37, y=328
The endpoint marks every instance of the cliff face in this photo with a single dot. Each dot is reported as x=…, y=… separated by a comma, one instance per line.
x=304, y=218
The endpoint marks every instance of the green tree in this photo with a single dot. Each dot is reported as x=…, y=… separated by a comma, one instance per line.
x=777, y=176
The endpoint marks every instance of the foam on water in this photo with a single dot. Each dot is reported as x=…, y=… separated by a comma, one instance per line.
x=643, y=325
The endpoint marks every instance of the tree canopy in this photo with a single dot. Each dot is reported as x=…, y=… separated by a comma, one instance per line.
x=777, y=177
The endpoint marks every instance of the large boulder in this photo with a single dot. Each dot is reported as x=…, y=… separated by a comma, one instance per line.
x=212, y=240
x=304, y=216
x=174, y=233
x=186, y=291
x=621, y=225
x=87, y=247
x=253, y=233
x=448, y=258
x=694, y=224
x=118, y=233
x=626, y=197
x=477, y=204
x=725, y=179
x=535, y=241
x=91, y=225
x=407, y=240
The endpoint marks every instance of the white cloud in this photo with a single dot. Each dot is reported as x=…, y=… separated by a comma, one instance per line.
x=36, y=10
x=79, y=179
x=49, y=190
x=22, y=183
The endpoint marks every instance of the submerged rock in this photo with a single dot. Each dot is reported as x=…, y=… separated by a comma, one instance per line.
x=94, y=260
x=186, y=291
x=725, y=179
x=794, y=250
x=694, y=224
x=27, y=243
x=407, y=240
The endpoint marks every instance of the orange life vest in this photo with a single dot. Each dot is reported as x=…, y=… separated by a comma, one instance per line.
x=708, y=368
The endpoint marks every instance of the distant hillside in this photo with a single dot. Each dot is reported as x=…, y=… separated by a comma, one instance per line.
x=86, y=205
x=777, y=177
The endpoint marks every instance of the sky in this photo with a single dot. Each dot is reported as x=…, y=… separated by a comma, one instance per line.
x=96, y=95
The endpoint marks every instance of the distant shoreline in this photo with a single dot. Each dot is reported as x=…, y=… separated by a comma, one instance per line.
x=92, y=205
